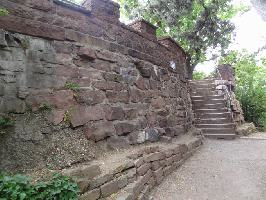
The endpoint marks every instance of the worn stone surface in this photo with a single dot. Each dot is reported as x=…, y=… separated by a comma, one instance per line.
x=87, y=172
x=92, y=195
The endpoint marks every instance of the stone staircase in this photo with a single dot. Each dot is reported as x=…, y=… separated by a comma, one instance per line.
x=212, y=115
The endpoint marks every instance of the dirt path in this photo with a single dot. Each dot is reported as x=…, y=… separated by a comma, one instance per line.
x=221, y=170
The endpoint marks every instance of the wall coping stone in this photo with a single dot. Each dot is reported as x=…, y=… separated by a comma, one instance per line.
x=170, y=43
x=72, y=6
x=145, y=28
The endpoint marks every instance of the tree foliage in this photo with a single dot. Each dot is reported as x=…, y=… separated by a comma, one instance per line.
x=251, y=85
x=197, y=75
x=196, y=24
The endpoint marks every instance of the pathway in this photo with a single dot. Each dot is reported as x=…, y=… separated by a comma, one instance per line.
x=220, y=170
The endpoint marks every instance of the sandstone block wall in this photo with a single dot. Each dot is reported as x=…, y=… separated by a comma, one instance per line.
x=227, y=86
x=136, y=176
x=91, y=74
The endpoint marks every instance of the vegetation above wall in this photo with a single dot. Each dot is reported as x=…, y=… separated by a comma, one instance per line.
x=197, y=75
x=250, y=75
x=196, y=24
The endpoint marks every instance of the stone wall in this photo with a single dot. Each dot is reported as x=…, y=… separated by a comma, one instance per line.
x=226, y=86
x=136, y=176
x=73, y=77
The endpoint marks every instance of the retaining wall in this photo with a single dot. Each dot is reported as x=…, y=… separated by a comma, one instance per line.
x=73, y=77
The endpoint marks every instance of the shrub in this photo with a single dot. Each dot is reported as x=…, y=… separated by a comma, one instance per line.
x=250, y=85
x=19, y=187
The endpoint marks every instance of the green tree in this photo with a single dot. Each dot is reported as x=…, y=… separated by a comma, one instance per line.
x=197, y=75
x=251, y=85
x=196, y=25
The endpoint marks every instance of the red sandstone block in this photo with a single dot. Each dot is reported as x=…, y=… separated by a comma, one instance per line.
x=106, y=55
x=136, y=95
x=87, y=53
x=98, y=131
x=75, y=36
x=92, y=195
x=158, y=103
x=169, y=160
x=114, y=113
x=143, y=169
x=155, y=165
x=140, y=161
x=44, y=5
x=124, y=128
x=80, y=115
x=177, y=157
x=61, y=99
x=117, y=97
x=33, y=28
x=69, y=13
x=155, y=156
x=142, y=83
x=108, y=85
x=181, y=149
x=167, y=170
x=158, y=174
x=168, y=153
x=145, y=27
x=57, y=116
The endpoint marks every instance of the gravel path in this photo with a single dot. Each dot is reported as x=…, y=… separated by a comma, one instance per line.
x=220, y=170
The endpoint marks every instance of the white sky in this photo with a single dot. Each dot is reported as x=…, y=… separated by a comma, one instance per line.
x=250, y=34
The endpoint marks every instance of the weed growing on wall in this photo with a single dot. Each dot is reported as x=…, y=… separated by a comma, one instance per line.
x=6, y=122
x=72, y=86
x=45, y=106
x=3, y=12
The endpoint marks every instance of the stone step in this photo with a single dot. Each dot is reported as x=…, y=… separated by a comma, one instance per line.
x=213, y=120
x=203, y=92
x=202, y=86
x=214, y=115
x=202, y=81
x=202, y=89
x=218, y=110
x=208, y=101
x=218, y=130
x=206, y=97
x=229, y=125
x=210, y=106
x=221, y=136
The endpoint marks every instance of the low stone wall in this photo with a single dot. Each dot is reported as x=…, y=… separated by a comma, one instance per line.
x=141, y=171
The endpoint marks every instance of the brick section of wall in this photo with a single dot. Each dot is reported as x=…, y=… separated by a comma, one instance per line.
x=131, y=88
